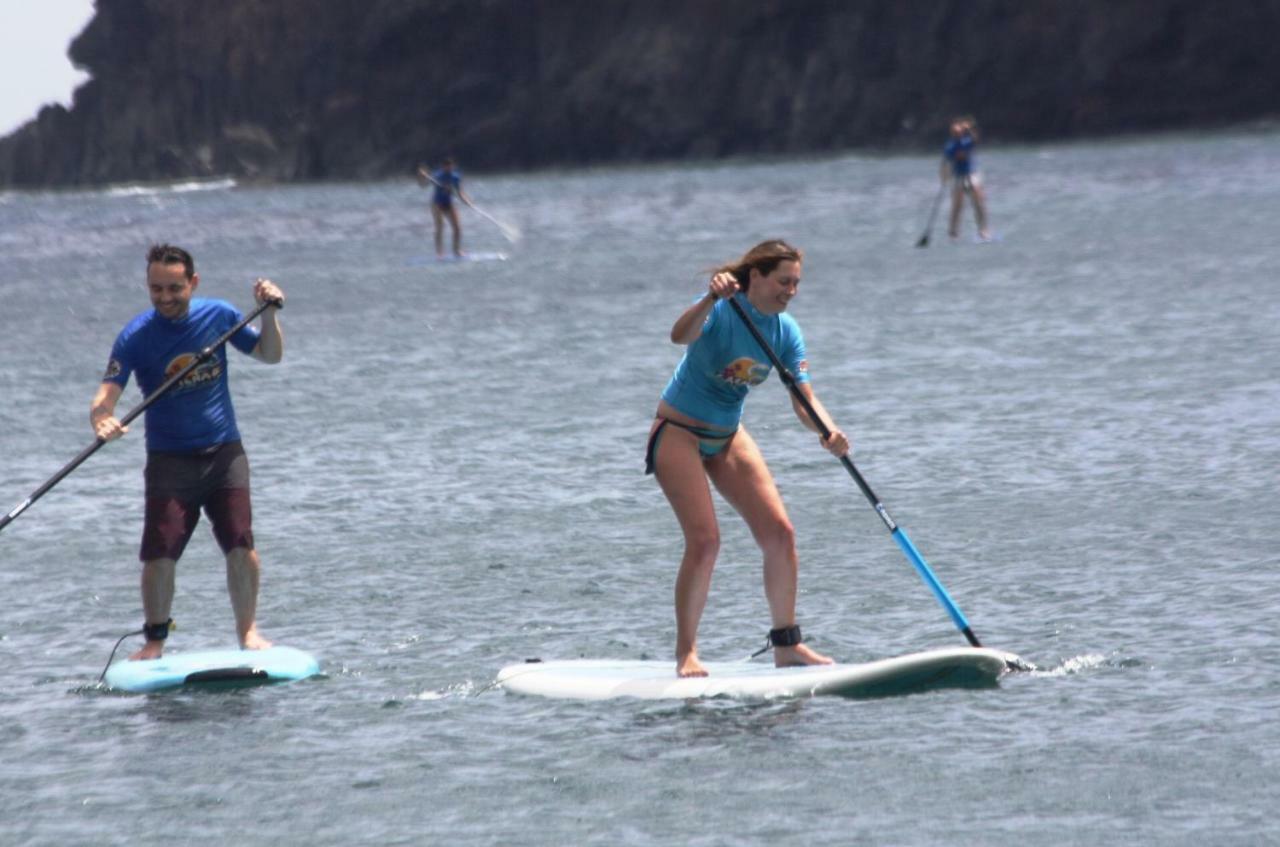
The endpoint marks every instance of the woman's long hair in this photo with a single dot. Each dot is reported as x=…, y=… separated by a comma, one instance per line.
x=764, y=257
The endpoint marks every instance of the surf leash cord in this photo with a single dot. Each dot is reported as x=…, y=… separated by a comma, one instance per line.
x=899, y=535
x=169, y=383
x=168, y=625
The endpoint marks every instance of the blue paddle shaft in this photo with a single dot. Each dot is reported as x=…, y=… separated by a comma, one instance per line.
x=913, y=555
x=900, y=536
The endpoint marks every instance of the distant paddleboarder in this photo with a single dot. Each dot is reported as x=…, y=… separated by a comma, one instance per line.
x=447, y=184
x=194, y=457
x=960, y=168
x=696, y=436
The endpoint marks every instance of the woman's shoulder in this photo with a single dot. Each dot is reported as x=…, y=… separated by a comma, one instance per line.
x=789, y=331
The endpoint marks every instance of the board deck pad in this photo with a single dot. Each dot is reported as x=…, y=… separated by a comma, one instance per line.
x=225, y=668
x=602, y=679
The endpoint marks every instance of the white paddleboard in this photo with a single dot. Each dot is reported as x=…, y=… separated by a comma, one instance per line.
x=212, y=667
x=601, y=679
x=419, y=261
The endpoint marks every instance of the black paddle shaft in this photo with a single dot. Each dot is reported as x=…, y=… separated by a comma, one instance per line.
x=928, y=228
x=169, y=383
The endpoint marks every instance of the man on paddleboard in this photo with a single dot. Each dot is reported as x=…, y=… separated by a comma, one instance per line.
x=697, y=436
x=194, y=456
x=960, y=168
x=447, y=182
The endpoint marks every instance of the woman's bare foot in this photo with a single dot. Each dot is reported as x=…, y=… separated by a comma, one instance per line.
x=798, y=654
x=689, y=665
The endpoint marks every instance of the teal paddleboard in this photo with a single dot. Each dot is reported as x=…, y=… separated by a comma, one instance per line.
x=212, y=667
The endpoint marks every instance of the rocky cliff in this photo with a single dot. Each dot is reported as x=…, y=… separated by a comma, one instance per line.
x=326, y=89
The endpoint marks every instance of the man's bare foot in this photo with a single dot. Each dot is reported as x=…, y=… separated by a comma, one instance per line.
x=150, y=650
x=798, y=654
x=689, y=665
x=253, y=641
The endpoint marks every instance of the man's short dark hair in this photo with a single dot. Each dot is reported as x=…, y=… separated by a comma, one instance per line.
x=169, y=254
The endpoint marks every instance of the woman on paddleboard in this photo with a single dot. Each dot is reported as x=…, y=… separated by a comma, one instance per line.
x=960, y=168
x=696, y=436
x=447, y=182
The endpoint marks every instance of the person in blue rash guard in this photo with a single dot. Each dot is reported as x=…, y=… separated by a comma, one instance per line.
x=960, y=168
x=696, y=436
x=194, y=456
x=447, y=183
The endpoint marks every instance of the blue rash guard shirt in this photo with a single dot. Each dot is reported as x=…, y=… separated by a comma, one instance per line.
x=447, y=182
x=959, y=152
x=724, y=362
x=196, y=413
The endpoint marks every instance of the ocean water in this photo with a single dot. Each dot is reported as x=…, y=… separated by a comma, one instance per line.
x=1079, y=425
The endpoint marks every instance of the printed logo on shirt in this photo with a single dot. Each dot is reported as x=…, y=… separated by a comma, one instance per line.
x=114, y=369
x=745, y=371
x=207, y=371
x=803, y=367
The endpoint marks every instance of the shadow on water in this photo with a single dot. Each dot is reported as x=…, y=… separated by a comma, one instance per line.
x=717, y=715
x=200, y=706
x=213, y=701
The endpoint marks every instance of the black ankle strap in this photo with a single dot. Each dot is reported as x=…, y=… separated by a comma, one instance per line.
x=786, y=636
x=157, y=631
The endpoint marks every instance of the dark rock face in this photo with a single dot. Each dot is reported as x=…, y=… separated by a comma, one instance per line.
x=327, y=89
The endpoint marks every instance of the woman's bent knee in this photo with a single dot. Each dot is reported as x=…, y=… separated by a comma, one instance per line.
x=779, y=537
x=702, y=548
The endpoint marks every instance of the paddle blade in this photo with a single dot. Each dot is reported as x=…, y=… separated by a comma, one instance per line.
x=924, y=240
x=509, y=232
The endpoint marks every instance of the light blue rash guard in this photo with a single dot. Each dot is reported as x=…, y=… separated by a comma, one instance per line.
x=720, y=366
x=196, y=413
x=959, y=152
